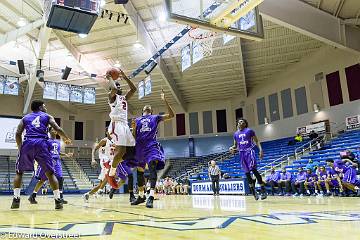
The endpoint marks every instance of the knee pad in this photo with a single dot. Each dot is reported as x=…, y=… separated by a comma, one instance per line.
x=140, y=179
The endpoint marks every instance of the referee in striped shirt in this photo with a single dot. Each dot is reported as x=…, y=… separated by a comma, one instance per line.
x=214, y=175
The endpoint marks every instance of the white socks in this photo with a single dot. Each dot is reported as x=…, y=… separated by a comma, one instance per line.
x=152, y=192
x=17, y=192
x=56, y=194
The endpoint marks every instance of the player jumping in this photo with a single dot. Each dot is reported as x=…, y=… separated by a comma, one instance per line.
x=35, y=146
x=245, y=141
x=148, y=149
x=119, y=129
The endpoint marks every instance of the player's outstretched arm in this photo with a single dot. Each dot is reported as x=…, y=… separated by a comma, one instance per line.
x=256, y=141
x=18, y=135
x=96, y=147
x=170, y=110
x=59, y=130
x=132, y=86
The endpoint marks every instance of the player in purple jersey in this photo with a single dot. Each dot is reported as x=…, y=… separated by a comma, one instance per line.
x=35, y=147
x=298, y=184
x=245, y=141
x=55, y=150
x=272, y=180
x=284, y=181
x=148, y=149
x=310, y=182
x=323, y=181
x=336, y=172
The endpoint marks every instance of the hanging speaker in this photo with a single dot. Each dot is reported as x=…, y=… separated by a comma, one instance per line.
x=21, y=66
x=121, y=1
x=151, y=67
x=40, y=75
x=66, y=73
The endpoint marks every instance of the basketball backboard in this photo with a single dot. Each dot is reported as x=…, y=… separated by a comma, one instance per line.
x=234, y=17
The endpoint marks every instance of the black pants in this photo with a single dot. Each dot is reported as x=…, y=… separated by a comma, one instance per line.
x=299, y=186
x=215, y=183
x=285, y=184
x=272, y=185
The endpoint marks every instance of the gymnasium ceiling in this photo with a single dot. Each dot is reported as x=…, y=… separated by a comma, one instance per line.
x=220, y=76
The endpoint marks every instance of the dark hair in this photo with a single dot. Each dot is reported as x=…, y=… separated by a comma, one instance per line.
x=329, y=160
x=36, y=104
x=246, y=122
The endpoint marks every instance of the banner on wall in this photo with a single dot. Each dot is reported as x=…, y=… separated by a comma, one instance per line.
x=316, y=127
x=7, y=132
x=353, y=122
x=226, y=187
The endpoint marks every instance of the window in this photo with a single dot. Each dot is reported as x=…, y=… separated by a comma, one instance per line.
x=221, y=120
x=79, y=131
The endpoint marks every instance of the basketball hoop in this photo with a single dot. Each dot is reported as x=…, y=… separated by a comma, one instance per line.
x=204, y=39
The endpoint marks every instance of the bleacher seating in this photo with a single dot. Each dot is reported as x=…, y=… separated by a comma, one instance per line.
x=348, y=140
x=181, y=166
x=92, y=173
x=7, y=174
x=273, y=150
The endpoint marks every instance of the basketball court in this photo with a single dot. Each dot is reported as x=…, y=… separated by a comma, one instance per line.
x=290, y=67
x=189, y=217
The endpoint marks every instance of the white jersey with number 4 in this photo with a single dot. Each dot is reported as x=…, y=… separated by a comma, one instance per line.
x=119, y=109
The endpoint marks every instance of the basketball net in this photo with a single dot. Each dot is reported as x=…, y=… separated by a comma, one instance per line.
x=204, y=39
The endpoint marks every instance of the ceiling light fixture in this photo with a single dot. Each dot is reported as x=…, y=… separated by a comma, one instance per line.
x=102, y=3
x=22, y=22
x=162, y=17
x=117, y=64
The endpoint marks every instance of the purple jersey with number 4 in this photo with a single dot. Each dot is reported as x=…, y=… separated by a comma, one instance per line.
x=35, y=145
x=54, y=147
x=245, y=145
x=147, y=147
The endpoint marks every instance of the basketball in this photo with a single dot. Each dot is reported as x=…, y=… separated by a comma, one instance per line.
x=114, y=73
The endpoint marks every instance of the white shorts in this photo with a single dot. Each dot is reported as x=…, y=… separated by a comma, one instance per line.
x=102, y=174
x=121, y=134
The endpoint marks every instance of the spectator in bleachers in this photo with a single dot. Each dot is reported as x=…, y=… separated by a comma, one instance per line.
x=298, y=184
x=298, y=138
x=284, y=182
x=272, y=180
x=312, y=165
x=167, y=185
x=310, y=183
x=348, y=154
x=313, y=135
x=186, y=186
x=214, y=175
x=323, y=182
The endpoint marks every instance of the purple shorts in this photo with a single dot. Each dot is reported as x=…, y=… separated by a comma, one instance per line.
x=40, y=174
x=32, y=149
x=122, y=170
x=248, y=160
x=129, y=157
x=149, y=153
x=350, y=176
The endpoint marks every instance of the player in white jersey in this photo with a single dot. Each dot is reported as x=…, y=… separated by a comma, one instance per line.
x=106, y=150
x=119, y=129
